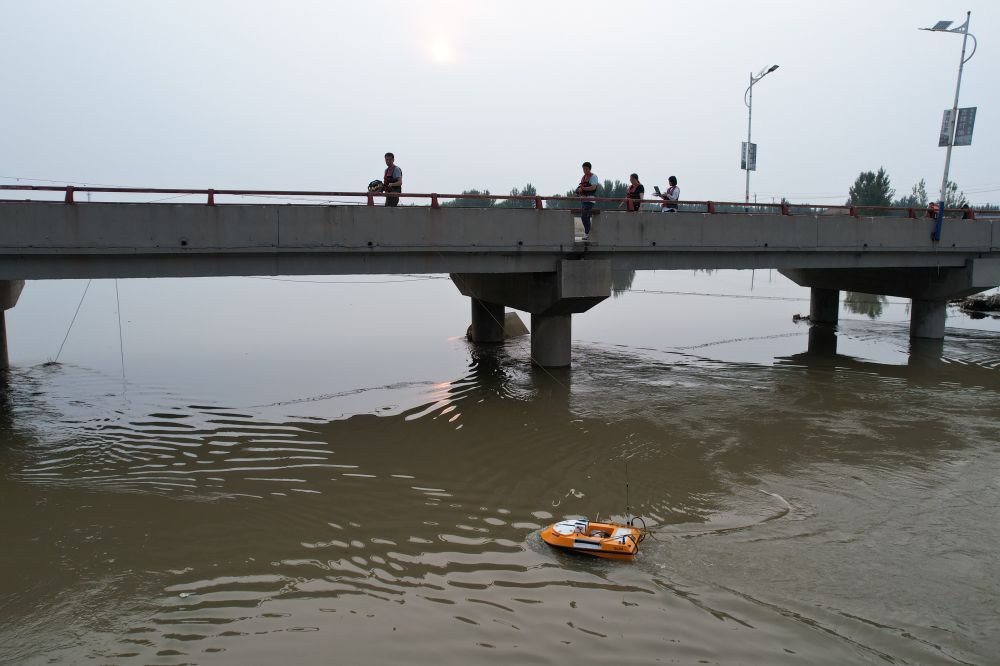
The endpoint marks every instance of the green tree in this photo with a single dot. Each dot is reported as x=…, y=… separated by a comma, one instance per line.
x=953, y=197
x=527, y=191
x=462, y=202
x=871, y=189
x=917, y=198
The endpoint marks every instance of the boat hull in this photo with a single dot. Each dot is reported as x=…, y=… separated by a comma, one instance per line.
x=609, y=541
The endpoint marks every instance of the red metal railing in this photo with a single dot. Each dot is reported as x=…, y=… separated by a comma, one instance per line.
x=537, y=202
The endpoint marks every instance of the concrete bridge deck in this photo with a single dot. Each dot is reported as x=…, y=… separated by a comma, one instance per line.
x=521, y=258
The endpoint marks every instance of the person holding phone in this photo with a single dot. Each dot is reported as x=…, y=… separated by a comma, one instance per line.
x=669, y=197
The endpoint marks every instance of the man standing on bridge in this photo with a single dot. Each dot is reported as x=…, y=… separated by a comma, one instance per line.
x=588, y=186
x=392, y=180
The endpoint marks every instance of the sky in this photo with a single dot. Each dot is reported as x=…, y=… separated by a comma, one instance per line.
x=309, y=95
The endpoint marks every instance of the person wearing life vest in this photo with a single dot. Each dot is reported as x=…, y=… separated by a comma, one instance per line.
x=669, y=197
x=587, y=187
x=633, y=198
x=392, y=180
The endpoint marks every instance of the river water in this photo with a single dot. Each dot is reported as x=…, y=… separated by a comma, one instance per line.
x=324, y=471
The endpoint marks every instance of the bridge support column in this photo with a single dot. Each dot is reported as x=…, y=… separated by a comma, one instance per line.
x=576, y=285
x=10, y=291
x=487, y=321
x=927, y=319
x=824, y=305
x=551, y=337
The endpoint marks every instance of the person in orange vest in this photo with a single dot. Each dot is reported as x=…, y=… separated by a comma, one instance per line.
x=932, y=210
x=392, y=180
x=633, y=198
x=587, y=187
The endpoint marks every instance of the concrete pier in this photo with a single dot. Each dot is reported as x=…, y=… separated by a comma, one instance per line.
x=824, y=305
x=551, y=340
x=487, y=321
x=927, y=319
x=551, y=297
x=10, y=291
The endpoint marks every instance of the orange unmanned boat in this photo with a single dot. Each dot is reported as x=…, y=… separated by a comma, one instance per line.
x=608, y=540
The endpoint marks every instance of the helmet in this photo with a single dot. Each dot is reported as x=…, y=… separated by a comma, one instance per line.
x=375, y=186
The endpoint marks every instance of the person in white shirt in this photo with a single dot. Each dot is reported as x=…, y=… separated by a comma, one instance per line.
x=672, y=194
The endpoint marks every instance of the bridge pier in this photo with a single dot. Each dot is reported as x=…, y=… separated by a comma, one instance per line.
x=487, y=321
x=551, y=340
x=929, y=289
x=552, y=298
x=824, y=305
x=927, y=319
x=10, y=291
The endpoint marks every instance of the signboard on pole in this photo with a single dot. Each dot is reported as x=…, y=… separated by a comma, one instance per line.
x=946, y=130
x=748, y=162
x=964, y=126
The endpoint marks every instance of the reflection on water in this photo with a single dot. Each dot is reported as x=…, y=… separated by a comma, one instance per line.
x=872, y=305
x=823, y=508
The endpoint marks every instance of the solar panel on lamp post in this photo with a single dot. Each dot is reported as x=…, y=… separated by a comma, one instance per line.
x=943, y=26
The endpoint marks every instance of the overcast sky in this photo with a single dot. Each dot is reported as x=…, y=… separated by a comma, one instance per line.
x=309, y=95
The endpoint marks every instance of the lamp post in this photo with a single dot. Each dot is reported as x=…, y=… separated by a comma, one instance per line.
x=951, y=121
x=748, y=152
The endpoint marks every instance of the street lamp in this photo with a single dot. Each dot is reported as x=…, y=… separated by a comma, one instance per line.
x=749, y=150
x=949, y=125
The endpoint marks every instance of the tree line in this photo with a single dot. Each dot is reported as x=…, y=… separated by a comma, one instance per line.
x=870, y=188
x=874, y=188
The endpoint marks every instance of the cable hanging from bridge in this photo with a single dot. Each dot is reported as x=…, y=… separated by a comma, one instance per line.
x=72, y=321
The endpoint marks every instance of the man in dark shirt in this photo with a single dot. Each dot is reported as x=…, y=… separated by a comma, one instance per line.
x=633, y=200
x=392, y=180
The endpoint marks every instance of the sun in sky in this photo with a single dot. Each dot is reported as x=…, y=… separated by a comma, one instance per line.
x=440, y=51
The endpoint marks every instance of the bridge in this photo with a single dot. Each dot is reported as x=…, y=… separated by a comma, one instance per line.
x=529, y=259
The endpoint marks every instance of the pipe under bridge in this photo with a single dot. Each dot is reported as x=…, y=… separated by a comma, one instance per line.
x=526, y=259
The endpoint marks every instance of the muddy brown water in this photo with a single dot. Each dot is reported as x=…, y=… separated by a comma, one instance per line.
x=815, y=508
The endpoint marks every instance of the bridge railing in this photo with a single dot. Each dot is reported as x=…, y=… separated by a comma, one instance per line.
x=68, y=194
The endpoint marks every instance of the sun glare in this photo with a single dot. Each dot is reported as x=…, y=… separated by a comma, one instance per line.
x=441, y=52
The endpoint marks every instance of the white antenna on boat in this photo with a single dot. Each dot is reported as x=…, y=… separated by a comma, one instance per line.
x=628, y=507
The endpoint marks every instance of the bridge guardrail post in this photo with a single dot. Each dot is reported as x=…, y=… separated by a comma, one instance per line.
x=785, y=208
x=538, y=203
x=853, y=211
x=910, y=213
x=711, y=207
x=211, y=197
x=371, y=199
x=69, y=194
x=434, y=200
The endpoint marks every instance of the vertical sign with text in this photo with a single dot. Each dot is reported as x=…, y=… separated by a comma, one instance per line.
x=748, y=158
